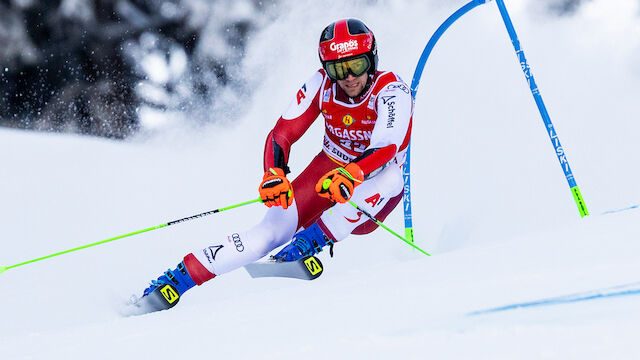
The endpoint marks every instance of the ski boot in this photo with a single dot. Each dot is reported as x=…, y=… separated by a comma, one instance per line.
x=307, y=242
x=164, y=293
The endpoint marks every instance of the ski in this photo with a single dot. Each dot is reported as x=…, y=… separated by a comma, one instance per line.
x=307, y=268
x=162, y=298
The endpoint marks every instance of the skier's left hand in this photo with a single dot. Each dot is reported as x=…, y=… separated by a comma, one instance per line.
x=338, y=184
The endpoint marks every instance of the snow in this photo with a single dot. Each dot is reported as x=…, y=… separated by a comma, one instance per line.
x=490, y=203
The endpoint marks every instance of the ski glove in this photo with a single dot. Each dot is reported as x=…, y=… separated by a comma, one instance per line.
x=307, y=242
x=275, y=189
x=337, y=185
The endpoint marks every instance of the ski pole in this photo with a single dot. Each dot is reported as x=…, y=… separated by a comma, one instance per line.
x=535, y=91
x=387, y=228
x=343, y=171
x=174, y=222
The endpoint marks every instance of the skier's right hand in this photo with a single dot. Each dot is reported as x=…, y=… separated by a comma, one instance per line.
x=275, y=189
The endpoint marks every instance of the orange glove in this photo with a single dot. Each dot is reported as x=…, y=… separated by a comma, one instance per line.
x=338, y=184
x=276, y=189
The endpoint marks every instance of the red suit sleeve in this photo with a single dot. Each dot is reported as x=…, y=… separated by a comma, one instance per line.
x=286, y=132
x=392, y=131
x=374, y=159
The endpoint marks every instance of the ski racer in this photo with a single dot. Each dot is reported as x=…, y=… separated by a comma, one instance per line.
x=367, y=115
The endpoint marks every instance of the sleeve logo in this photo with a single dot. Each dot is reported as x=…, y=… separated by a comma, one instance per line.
x=400, y=86
x=301, y=93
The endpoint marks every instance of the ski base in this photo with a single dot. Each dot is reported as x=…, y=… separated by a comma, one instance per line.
x=307, y=268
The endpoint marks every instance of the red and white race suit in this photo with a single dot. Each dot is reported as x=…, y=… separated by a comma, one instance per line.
x=372, y=130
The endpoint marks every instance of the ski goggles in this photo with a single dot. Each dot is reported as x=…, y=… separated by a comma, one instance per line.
x=339, y=70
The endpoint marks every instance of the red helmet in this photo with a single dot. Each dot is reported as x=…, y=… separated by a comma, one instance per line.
x=347, y=39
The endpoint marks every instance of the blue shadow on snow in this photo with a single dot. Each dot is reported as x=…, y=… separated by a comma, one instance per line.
x=621, y=290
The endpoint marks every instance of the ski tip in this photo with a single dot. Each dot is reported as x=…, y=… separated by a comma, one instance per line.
x=128, y=307
x=162, y=298
x=313, y=266
x=3, y=269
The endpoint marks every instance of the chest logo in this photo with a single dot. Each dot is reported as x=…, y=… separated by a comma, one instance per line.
x=347, y=120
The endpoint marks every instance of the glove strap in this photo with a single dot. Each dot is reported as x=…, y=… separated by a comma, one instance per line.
x=348, y=174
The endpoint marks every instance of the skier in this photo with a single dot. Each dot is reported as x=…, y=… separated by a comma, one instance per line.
x=367, y=115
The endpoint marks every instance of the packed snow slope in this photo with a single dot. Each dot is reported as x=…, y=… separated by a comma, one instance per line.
x=515, y=272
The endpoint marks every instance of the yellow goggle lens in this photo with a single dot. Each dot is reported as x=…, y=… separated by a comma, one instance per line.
x=339, y=70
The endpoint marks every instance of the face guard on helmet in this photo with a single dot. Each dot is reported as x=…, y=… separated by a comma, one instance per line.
x=348, y=47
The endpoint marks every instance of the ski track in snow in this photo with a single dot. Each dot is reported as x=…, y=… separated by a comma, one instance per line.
x=515, y=273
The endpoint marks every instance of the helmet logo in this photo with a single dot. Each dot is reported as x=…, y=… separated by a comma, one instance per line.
x=344, y=46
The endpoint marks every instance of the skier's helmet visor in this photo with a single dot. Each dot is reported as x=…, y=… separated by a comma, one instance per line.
x=340, y=69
